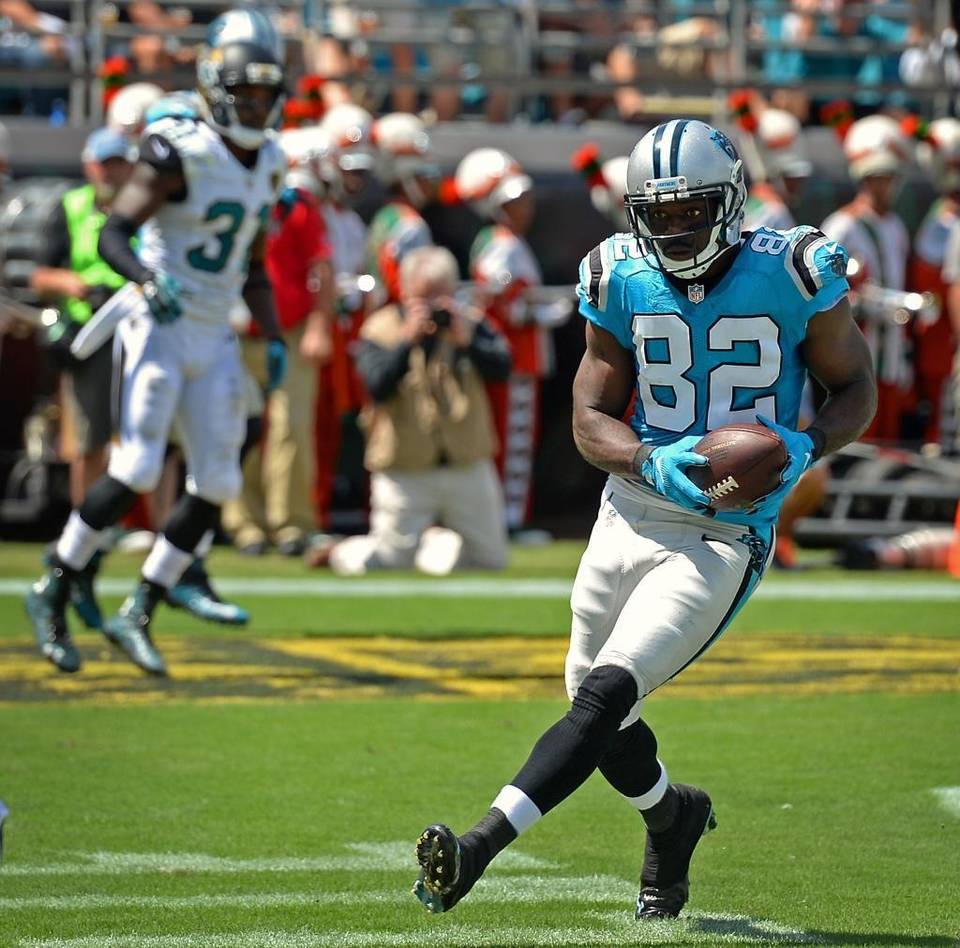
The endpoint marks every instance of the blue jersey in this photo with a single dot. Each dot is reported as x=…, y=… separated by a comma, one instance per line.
x=711, y=358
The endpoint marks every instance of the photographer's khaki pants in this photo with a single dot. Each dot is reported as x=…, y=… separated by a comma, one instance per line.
x=403, y=504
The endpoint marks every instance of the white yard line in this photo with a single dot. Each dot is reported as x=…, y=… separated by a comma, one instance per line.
x=863, y=590
x=363, y=857
x=949, y=799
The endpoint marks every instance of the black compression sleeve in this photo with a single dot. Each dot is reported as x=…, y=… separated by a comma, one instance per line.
x=114, y=247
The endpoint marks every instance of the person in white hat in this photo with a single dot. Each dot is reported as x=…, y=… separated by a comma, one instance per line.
x=878, y=153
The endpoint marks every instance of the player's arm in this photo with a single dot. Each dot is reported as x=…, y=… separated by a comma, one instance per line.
x=837, y=356
x=601, y=393
x=157, y=177
x=258, y=295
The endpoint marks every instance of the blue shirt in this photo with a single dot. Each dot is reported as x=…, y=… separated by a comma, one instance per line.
x=710, y=358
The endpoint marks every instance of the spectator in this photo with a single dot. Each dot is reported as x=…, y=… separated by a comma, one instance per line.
x=411, y=175
x=877, y=240
x=33, y=39
x=430, y=440
x=276, y=501
x=72, y=271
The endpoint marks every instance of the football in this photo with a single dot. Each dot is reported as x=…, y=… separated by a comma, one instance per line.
x=745, y=462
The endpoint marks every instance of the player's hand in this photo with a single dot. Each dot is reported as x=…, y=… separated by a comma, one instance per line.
x=162, y=293
x=800, y=456
x=664, y=470
x=276, y=363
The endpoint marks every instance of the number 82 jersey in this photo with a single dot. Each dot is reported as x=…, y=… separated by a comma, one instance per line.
x=203, y=237
x=707, y=356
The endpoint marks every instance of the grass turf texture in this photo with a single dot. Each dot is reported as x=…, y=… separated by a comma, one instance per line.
x=828, y=827
x=827, y=823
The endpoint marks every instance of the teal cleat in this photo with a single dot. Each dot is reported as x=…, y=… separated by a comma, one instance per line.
x=82, y=596
x=195, y=595
x=46, y=607
x=129, y=630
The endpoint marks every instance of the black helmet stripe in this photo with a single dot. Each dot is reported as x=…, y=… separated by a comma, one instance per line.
x=656, y=149
x=673, y=169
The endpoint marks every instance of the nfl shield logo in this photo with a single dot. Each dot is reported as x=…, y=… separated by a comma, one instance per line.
x=695, y=292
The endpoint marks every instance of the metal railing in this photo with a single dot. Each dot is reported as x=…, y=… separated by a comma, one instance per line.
x=738, y=48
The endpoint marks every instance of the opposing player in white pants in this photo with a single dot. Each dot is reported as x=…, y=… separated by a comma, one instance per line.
x=201, y=193
x=709, y=326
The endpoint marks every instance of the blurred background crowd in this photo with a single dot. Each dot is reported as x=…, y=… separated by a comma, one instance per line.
x=498, y=129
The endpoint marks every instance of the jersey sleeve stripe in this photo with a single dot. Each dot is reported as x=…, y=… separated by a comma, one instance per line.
x=596, y=274
x=797, y=265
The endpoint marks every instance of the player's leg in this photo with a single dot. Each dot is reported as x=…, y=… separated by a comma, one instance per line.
x=149, y=389
x=210, y=422
x=676, y=612
x=568, y=752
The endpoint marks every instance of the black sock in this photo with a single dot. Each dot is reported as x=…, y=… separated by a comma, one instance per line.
x=489, y=836
x=630, y=764
x=189, y=520
x=661, y=816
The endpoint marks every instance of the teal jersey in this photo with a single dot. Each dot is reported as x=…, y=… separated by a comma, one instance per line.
x=721, y=354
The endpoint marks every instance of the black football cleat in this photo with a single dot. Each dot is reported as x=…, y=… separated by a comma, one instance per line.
x=196, y=595
x=129, y=630
x=46, y=607
x=448, y=870
x=664, y=883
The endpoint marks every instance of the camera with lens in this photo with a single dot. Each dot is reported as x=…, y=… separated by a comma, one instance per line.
x=441, y=318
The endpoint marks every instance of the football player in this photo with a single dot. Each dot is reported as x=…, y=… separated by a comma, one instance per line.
x=200, y=196
x=711, y=326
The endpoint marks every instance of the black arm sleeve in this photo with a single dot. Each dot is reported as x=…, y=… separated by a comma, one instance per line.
x=258, y=295
x=382, y=369
x=489, y=351
x=114, y=247
x=56, y=241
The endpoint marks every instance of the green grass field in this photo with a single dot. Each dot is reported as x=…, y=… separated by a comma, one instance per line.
x=270, y=793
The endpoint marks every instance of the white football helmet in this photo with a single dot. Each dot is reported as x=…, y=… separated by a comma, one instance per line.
x=304, y=149
x=876, y=145
x=782, y=149
x=941, y=158
x=405, y=154
x=347, y=130
x=488, y=178
x=683, y=160
x=128, y=108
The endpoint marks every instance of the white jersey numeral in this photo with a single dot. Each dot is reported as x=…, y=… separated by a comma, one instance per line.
x=669, y=398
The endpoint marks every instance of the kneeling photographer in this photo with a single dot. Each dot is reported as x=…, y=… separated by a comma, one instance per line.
x=429, y=433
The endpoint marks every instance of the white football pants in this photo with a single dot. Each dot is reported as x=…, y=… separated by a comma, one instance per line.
x=656, y=588
x=187, y=373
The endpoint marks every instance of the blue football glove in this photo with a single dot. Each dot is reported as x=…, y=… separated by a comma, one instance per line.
x=800, y=455
x=276, y=363
x=162, y=293
x=664, y=470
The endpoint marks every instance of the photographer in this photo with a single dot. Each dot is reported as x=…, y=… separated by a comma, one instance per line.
x=430, y=438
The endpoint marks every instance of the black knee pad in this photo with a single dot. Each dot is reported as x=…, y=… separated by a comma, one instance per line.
x=189, y=520
x=602, y=701
x=106, y=502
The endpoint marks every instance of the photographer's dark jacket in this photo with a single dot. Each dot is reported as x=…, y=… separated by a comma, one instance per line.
x=429, y=402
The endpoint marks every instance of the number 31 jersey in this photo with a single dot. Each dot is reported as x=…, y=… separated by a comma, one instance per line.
x=716, y=355
x=203, y=238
